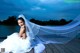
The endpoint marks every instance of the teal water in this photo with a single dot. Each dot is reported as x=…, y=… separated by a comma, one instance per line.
x=7, y=30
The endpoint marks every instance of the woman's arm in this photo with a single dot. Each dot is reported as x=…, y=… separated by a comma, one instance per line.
x=22, y=30
x=24, y=36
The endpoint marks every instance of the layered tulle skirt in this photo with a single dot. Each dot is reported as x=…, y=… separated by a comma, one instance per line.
x=15, y=44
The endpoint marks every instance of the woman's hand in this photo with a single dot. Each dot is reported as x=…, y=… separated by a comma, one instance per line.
x=24, y=37
x=20, y=36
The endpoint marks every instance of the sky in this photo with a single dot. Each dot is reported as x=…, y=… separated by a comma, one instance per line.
x=40, y=9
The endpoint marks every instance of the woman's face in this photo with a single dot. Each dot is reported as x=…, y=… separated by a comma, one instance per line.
x=20, y=23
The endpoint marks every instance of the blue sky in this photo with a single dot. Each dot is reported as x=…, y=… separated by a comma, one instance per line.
x=40, y=9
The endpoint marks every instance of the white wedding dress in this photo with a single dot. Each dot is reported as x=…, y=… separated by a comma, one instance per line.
x=15, y=44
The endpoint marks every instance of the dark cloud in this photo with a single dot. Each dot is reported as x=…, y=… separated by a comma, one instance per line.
x=39, y=9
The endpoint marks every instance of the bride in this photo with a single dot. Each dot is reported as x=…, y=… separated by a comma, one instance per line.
x=35, y=36
x=19, y=42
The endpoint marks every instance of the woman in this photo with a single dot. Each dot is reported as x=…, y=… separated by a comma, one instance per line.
x=22, y=32
x=17, y=41
x=20, y=42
